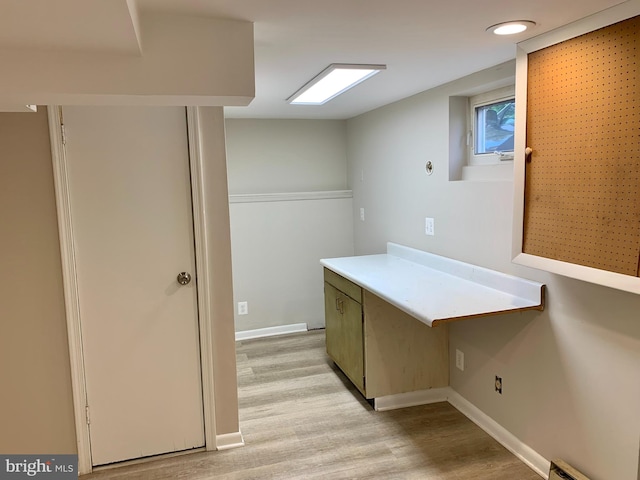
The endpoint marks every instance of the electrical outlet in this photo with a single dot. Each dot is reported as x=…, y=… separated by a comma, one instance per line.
x=498, y=384
x=459, y=360
x=429, y=226
x=362, y=214
x=243, y=308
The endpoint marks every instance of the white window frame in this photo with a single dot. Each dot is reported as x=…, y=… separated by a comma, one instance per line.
x=480, y=100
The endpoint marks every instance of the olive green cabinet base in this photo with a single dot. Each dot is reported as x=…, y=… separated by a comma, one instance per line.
x=382, y=350
x=343, y=320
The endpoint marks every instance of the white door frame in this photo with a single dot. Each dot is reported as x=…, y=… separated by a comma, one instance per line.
x=70, y=283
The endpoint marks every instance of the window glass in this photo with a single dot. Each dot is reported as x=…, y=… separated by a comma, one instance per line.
x=494, y=127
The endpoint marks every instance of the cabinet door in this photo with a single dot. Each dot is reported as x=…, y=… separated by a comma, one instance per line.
x=343, y=318
x=333, y=324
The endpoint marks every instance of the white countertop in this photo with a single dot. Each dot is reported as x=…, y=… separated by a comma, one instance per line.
x=437, y=289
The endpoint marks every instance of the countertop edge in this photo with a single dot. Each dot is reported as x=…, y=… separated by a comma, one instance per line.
x=526, y=303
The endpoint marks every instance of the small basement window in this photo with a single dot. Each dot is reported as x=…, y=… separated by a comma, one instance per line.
x=491, y=127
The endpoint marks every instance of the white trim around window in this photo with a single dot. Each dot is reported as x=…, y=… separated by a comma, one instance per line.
x=480, y=100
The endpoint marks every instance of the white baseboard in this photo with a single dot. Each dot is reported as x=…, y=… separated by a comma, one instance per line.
x=411, y=399
x=525, y=453
x=271, y=331
x=229, y=440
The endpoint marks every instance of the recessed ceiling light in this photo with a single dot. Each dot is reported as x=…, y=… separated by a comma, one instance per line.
x=511, y=28
x=337, y=78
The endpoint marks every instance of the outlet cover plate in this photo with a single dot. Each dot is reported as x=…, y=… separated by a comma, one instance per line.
x=243, y=308
x=429, y=226
x=459, y=360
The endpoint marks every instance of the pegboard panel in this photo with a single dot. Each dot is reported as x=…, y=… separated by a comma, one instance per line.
x=582, y=188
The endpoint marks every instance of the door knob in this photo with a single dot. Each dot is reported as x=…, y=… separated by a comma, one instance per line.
x=183, y=278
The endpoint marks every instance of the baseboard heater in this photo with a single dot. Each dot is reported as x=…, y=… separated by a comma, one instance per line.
x=562, y=471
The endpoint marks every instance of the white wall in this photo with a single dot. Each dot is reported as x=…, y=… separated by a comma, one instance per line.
x=275, y=156
x=277, y=245
x=571, y=373
x=217, y=224
x=36, y=409
x=276, y=251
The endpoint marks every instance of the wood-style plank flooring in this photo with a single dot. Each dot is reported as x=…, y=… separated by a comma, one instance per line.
x=302, y=419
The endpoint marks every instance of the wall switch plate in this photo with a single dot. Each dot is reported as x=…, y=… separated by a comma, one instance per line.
x=243, y=308
x=459, y=360
x=429, y=226
x=362, y=214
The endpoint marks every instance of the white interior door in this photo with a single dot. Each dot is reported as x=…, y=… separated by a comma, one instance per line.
x=132, y=223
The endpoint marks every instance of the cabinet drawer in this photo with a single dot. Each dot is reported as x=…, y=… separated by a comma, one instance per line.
x=344, y=285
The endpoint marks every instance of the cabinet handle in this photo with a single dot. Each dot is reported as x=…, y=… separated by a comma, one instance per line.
x=339, y=305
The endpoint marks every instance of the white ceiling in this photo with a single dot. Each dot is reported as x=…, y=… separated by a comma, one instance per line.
x=423, y=43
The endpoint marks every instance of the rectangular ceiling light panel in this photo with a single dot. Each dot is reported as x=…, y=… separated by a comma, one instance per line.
x=337, y=78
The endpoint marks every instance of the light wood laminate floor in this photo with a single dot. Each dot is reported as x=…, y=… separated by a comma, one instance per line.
x=302, y=419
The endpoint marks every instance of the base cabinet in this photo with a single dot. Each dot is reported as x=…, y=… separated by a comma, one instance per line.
x=382, y=350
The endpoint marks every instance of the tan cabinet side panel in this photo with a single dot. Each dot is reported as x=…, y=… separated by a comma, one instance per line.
x=402, y=354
